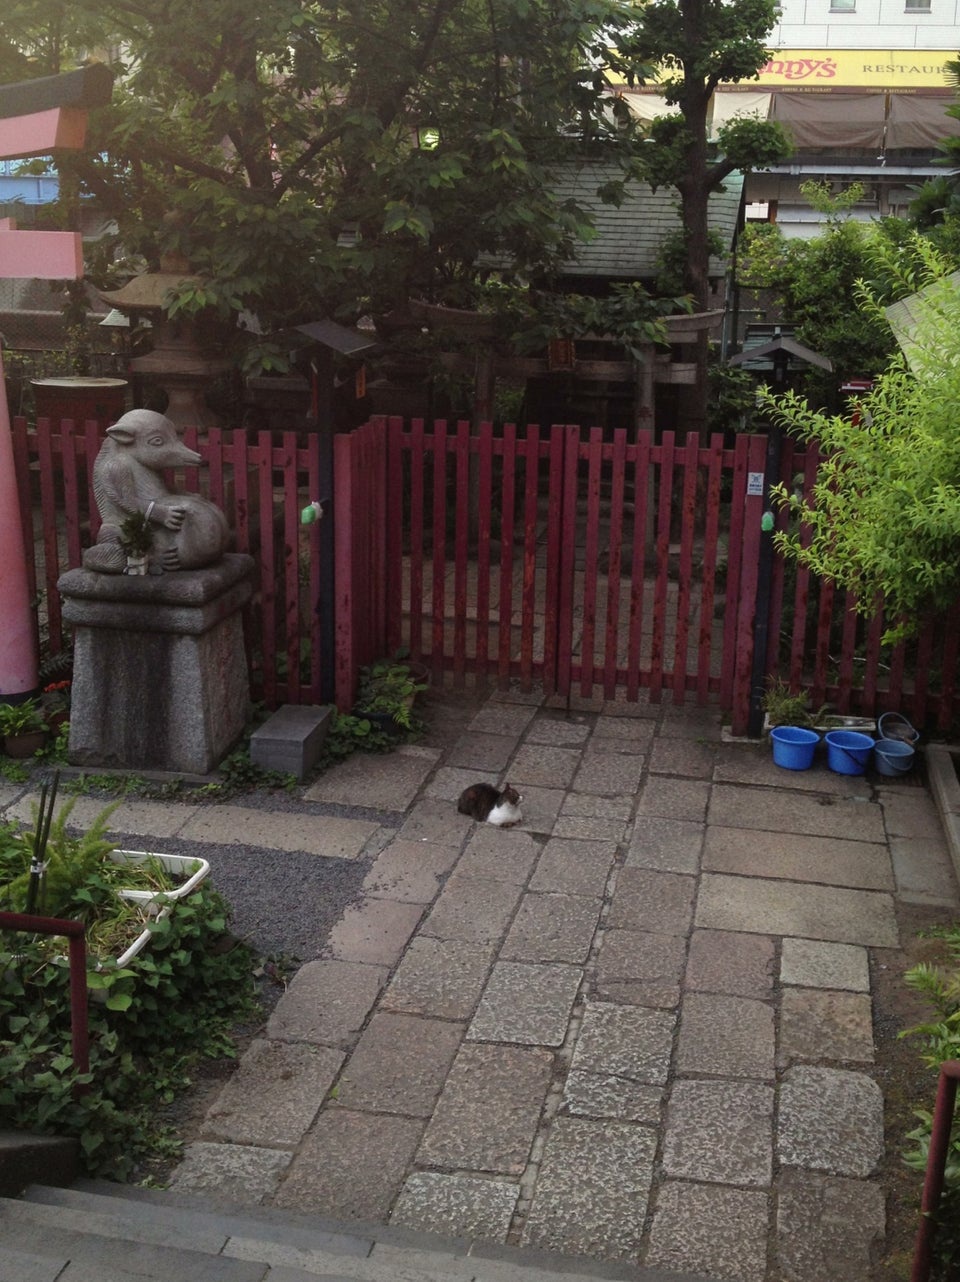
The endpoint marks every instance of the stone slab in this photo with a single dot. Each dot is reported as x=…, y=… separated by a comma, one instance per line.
x=623, y=734
x=291, y=739
x=387, y=781
x=474, y=909
x=573, y=867
x=818, y=1024
x=640, y=968
x=443, y=978
x=274, y=1095
x=410, y=871
x=683, y=758
x=527, y=1004
x=667, y=845
x=446, y=784
x=607, y=1095
x=552, y=928
x=661, y=902
x=628, y=1042
x=729, y=961
x=608, y=773
x=591, y=1195
x=487, y=1116
x=350, y=1165
x=399, y=1065
x=233, y=1172
x=540, y=807
x=500, y=854
x=540, y=765
x=577, y=805
x=687, y=722
x=753, y=764
x=833, y=861
x=327, y=1002
x=502, y=718
x=152, y=819
x=814, y=963
x=830, y=1120
x=910, y=813
x=375, y=931
x=726, y=1036
x=326, y=835
x=827, y=1228
x=586, y=828
x=786, y=908
x=559, y=732
x=436, y=821
x=924, y=871
x=486, y=752
x=720, y=1132
x=670, y=798
x=780, y=810
x=712, y=1230
x=461, y=1206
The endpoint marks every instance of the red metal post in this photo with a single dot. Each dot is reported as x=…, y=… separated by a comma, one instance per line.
x=936, y=1164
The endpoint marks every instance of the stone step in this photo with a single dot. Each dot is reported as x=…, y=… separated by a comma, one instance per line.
x=113, y=1232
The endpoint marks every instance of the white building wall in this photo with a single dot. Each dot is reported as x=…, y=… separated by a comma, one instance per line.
x=872, y=24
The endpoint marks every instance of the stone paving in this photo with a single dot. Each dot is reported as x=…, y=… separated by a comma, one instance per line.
x=636, y=1028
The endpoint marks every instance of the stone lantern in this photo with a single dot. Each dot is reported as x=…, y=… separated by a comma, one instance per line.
x=178, y=363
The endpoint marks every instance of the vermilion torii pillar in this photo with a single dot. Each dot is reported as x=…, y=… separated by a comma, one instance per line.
x=36, y=117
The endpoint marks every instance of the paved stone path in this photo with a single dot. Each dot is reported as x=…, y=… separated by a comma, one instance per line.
x=637, y=1028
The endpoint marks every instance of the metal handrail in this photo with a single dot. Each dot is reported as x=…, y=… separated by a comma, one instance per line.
x=75, y=932
x=936, y=1165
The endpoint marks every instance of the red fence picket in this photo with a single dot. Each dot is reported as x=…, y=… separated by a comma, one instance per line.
x=589, y=562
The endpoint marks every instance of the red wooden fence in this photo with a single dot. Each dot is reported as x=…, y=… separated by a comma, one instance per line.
x=593, y=564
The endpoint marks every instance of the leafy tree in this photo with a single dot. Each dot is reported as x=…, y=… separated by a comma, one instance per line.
x=884, y=517
x=699, y=44
x=333, y=156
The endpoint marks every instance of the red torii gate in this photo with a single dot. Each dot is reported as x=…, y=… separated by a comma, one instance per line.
x=36, y=117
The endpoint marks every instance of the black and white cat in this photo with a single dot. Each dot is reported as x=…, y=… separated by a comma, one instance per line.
x=486, y=803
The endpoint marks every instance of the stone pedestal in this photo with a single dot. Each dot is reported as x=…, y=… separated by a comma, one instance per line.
x=159, y=674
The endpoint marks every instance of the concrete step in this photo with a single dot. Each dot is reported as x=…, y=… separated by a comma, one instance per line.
x=115, y=1233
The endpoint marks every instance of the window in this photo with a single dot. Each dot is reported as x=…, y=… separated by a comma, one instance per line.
x=843, y=6
x=917, y=6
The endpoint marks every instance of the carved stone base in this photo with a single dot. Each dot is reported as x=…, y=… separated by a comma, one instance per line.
x=159, y=672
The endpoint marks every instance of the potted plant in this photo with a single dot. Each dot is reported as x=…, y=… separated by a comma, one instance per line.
x=388, y=689
x=23, y=728
x=55, y=704
x=136, y=537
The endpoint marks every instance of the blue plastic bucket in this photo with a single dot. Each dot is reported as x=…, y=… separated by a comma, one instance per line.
x=848, y=751
x=893, y=756
x=793, y=747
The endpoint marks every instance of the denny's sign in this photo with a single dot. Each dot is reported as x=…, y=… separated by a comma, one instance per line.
x=853, y=69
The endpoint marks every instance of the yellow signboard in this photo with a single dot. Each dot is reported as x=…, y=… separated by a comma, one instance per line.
x=825, y=69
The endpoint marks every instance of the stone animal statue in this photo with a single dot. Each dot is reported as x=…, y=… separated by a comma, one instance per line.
x=189, y=531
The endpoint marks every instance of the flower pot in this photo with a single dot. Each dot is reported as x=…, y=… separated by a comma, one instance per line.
x=25, y=744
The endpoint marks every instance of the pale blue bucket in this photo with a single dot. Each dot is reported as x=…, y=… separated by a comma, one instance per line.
x=848, y=751
x=793, y=747
x=893, y=756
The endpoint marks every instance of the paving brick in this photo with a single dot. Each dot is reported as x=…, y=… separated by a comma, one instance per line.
x=234, y=1172
x=825, y=1025
x=661, y=902
x=788, y=811
x=374, y=931
x=274, y=1095
x=671, y=798
x=552, y=928
x=687, y=722
x=827, y=1228
x=726, y=1036
x=730, y=961
x=608, y=773
x=684, y=758
x=475, y=909
x=434, y=820
x=460, y=1206
x=610, y=1095
x=586, y=805
x=721, y=1132
x=625, y=1041
x=574, y=867
x=487, y=1116
x=623, y=734
x=830, y=1120
x=501, y=854
x=439, y=977
x=540, y=807
x=399, y=1065
x=712, y=1230
x=559, y=732
x=410, y=871
x=351, y=1165
x=543, y=766
x=640, y=968
x=502, y=718
x=667, y=845
x=785, y=908
x=592, y=1192
x=814, y=963
x=487, y=752
x=447, y=783
x=327, y=1002
x=528, y=1004
x=584, y=828
x=831, y=860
